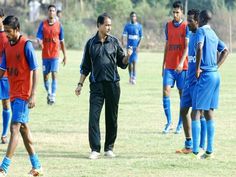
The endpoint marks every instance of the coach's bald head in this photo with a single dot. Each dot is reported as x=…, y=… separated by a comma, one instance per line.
x=204, y=17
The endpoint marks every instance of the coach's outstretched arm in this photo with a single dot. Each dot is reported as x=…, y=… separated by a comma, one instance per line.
x=222, y=57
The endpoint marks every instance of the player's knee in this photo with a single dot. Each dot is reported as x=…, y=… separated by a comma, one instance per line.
x=5, y=104
x=14, y=129
x=166, y=92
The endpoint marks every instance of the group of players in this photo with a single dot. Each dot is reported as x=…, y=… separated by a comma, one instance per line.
x=196, y=77
x=193, y=53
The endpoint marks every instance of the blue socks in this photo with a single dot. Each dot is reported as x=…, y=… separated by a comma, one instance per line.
x=196, y=126
x=188, y=144
x=6, y=113
x=35, y=161
x=5, y=164
x=203, y=132
x=54, y=87
x=166, y=106
x=210, y=135
x=47, y=86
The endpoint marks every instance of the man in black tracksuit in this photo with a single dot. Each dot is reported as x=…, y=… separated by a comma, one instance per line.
x=102, y=54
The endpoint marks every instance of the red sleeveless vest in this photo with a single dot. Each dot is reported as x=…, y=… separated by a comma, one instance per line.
x=19, y=74
x=175, y=46
x=51, y=42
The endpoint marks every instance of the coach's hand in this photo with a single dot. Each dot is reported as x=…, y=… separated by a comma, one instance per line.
x=31, y=101
x=78, y=89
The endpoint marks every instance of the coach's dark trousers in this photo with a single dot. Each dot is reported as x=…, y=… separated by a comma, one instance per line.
x=110, y=93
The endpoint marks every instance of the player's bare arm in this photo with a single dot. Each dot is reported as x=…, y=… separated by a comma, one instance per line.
x=33, y=91
x=222, y=57
x=164, y=59
x=63, y=48
x=183, y=58
x=40, y=42
x=198, y=59
x=1, y=73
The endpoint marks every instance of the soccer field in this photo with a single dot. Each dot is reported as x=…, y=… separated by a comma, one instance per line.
x=60, y=132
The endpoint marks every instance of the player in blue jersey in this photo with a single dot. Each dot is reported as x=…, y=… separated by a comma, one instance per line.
x=191, y=80
x=206, y=92
x=134, y=33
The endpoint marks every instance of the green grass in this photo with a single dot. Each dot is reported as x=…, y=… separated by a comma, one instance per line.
x=60, y=132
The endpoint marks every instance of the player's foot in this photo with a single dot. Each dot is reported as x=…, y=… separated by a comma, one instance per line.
x=109, y=154
x=36, y=172
x=94, y=155
x=207, y=156
x=183, y=151
x=195, y=156
x=167, y=128
x=178, y=129
x=48, y=99
x=133, y=82
x=130, y=80
x=2, y=173
x=4, y=139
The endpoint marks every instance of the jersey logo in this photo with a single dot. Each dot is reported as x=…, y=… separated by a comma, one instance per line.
x=18, y=56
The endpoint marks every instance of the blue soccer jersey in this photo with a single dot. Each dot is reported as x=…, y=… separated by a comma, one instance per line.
x=134, y=33
x=191, y=78
x=211, y=42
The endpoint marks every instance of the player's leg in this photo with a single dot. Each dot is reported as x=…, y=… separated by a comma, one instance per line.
x=112, y=96
x=46, y=72
x=96, y=103
x=54, y=87
x=27, y=138
x=196, y=128
x=187, y=130
x=180, y=82
x=130, y=73
x=213, y=92
x=168, y=82
x=54, y=70
x=6, y=116
x=135, y=59
x=14, y=137
x=6, y=113
x=203, y=131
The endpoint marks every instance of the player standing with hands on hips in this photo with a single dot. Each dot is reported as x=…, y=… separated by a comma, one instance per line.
x=206, y=93
x=102, y=54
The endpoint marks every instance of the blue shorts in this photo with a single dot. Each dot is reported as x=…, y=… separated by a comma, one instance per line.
x=186, y=100
x=4, y=88
x=50, y=65
x=171, y=76
x=20, y=111
x=133, y=57
x=206, y=93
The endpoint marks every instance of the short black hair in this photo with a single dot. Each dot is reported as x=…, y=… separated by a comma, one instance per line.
x=59, y=11
x=101, y=18
x=178, y=4
x=132, y=13
x=12, y=21
x=1, y=12
x=51, y=5
x=205, y=16
x=195, y=13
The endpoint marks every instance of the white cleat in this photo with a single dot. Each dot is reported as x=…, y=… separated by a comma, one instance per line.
x=94, y=155
x=109, y=154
